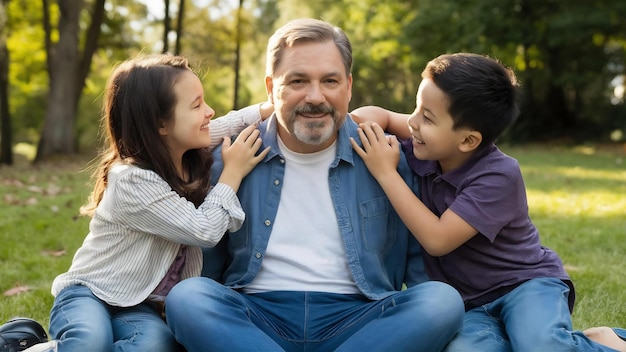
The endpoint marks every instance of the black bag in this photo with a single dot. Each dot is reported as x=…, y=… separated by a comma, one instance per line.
x=19, y=333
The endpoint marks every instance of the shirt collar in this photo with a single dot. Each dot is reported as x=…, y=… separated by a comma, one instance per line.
x=457, y=175
x=425, y=168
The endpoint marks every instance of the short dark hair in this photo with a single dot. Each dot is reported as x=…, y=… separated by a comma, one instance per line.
x=483, y=93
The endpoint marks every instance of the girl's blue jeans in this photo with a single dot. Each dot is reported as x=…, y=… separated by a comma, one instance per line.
x=207, y=316
x=533, y=317
x=82, y=322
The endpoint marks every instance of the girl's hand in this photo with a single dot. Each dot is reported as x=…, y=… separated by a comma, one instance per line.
x=240, y=156
x=380, y=152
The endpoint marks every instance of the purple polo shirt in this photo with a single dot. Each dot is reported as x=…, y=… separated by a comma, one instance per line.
x=488, y=192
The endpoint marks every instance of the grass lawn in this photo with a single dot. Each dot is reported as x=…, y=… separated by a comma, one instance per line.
x=577, y=198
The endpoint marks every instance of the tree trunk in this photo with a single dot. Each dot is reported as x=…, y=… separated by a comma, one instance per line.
x=57, y=136
x=91, y=45
x=179, y=26
x=166, y=27
x=237, y=57
x=6, y=151
x=67, y=71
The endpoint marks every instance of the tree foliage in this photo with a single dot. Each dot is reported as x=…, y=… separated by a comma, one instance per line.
x=566, y=54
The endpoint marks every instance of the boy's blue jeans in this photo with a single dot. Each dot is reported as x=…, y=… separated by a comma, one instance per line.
x=207, y=316
x=82, y=322
x=533, y=317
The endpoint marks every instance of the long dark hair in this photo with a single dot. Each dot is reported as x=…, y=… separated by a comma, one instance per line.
x=139, y=97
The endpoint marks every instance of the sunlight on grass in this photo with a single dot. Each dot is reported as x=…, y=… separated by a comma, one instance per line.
x=573, y=174
x=566, y=203
x=577, y=191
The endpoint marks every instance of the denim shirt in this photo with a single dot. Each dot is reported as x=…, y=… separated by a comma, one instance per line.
x=381, y=252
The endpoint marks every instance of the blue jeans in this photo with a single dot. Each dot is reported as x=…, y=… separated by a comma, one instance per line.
x=533, y=317
x=207, y=316
x=82, y=322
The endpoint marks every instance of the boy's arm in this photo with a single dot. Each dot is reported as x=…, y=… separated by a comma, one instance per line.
x=437, y=235
x=391, y=121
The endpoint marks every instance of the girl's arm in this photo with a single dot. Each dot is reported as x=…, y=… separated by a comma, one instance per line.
x=144, y=202
x=235, y=121
x=266, y=109
x=392, y=122
x=437, y=235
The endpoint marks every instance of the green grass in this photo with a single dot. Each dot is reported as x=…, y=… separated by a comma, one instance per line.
x=39, y=208
x=577, y=198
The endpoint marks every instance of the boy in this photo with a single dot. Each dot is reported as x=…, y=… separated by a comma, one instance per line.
x=472, y=220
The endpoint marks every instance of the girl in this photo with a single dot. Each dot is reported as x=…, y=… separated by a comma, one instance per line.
x=152, y=208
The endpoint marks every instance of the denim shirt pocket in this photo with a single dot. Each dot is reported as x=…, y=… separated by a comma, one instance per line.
x=378, y=225
x=239, y=238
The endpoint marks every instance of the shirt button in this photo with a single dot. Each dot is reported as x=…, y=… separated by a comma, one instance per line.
x=174, y=277
x=276, y=182
x=282, y=161
x=267, y=223
x=258, y=255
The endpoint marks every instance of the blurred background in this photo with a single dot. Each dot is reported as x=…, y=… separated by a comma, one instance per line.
x=55, y=56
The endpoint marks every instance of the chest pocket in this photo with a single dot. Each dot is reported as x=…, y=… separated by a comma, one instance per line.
x=379, y=225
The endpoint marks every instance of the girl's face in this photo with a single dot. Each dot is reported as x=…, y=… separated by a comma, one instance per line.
x=189, y=129
x=431, y=128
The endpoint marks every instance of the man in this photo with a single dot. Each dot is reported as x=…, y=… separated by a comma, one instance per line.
x=320, y=260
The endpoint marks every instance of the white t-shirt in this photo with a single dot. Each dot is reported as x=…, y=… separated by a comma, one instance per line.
x=305, y=250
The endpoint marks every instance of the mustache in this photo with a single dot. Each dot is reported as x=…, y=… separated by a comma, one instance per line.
x=315, y=109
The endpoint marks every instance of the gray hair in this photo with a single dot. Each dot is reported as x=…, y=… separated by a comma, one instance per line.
x=306, y=30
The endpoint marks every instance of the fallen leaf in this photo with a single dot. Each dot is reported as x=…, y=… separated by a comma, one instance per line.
x=16, y=290
x=11, y=199
x=53, y=190
x=15, y=183
x=35, y=189
x=54, y=253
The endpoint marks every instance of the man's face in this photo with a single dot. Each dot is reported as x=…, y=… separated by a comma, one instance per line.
x=311, y=94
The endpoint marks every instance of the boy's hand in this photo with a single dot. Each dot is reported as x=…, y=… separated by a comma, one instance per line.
x=380, y=152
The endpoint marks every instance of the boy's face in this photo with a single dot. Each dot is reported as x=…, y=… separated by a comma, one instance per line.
x=431, y=128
